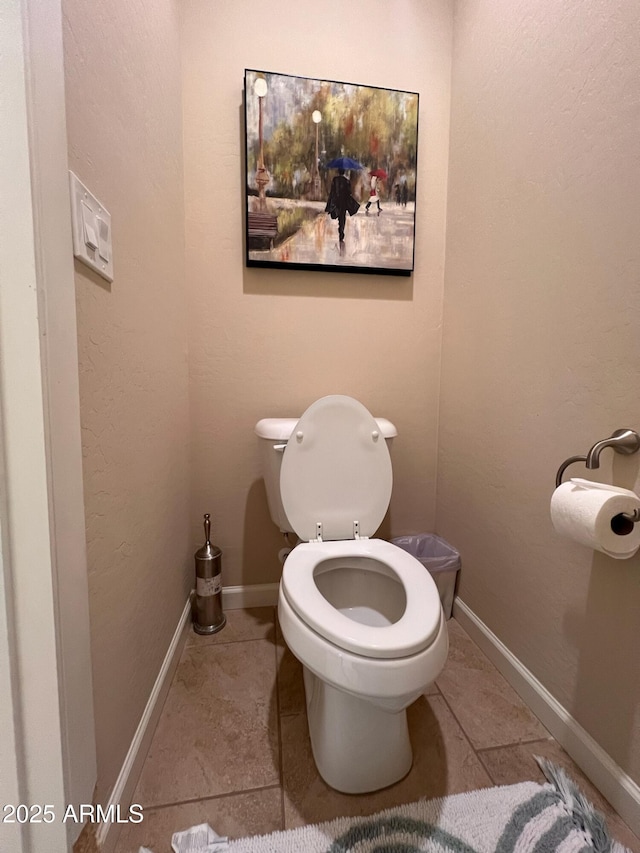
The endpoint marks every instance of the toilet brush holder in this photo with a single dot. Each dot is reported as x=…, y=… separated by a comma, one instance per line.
x=208, y=617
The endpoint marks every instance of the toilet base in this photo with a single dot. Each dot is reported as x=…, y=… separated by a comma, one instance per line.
x=357, y=747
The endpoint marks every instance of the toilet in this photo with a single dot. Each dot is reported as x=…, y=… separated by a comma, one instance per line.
x=362, y=616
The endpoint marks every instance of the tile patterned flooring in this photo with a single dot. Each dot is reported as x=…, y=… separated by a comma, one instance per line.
x=232, y=747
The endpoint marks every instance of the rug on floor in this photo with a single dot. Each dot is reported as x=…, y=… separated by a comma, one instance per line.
x=524, y=818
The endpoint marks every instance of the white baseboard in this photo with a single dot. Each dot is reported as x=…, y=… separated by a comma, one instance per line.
x=255, y=595
x=107, y=833
x=610, y=779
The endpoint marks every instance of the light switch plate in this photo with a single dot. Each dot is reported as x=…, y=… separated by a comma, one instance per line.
x=86, y=210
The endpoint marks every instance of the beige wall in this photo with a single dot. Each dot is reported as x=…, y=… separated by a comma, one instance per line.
x=269, y=342
x=122, y=66
x=542, y=337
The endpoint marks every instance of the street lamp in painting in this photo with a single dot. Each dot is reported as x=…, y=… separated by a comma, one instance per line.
x=262, y=176
x=316, y=117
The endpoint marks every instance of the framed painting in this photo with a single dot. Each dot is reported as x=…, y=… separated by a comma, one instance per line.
x=331, y=174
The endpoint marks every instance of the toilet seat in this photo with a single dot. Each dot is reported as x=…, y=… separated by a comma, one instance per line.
x=335, y=482
x=336, y=471
x=416, y=629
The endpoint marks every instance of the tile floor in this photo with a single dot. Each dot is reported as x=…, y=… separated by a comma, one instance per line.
x=232, y=748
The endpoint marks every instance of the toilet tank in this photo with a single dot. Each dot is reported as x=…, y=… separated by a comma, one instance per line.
x=273, y=435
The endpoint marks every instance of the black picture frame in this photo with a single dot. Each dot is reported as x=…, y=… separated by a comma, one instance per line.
x=331, y=174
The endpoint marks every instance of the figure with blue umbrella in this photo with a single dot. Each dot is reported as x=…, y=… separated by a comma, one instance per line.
x=340, y=201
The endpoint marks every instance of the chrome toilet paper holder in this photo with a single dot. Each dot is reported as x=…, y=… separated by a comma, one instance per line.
x=624, y=441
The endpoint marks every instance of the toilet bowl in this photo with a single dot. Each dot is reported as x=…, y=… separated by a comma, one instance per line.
x=362, y=616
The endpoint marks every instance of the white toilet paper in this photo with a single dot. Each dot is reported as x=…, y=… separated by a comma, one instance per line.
x=582, y=511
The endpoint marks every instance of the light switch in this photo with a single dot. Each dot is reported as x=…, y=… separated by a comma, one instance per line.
x=104, y=240
x=90, y=227
x=91, y=223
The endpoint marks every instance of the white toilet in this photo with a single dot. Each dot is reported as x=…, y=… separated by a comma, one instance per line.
x=363, y=616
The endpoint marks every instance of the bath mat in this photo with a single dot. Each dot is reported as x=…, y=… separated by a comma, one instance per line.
x=524, y=818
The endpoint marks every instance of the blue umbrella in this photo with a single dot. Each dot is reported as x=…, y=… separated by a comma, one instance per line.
x=343, y=163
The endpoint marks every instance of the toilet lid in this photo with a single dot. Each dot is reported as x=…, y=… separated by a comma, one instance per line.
x=336, y=470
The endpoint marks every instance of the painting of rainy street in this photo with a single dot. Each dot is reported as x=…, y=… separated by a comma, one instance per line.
x=331, y=175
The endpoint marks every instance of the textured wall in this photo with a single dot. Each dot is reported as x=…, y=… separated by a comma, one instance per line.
x=268, y=342
x=122, y=66
x=541, y=347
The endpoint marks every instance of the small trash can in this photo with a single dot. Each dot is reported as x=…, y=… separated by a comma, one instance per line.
x=441, y=560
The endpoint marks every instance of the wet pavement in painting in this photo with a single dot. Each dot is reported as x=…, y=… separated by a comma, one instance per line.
x=371, y=240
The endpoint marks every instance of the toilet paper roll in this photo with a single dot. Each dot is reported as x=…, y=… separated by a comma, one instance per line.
x=582, y=511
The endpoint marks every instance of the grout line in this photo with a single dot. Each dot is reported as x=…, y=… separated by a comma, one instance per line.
x=493, y=667
x=453, y=714
x=210, y=644
x=213, y=797
x=477, y=751
x=516, y=743
x=484, y=766
x=279, y=716
x=464, y=734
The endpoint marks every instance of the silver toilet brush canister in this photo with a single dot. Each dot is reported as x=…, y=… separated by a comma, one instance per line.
x=207, y=612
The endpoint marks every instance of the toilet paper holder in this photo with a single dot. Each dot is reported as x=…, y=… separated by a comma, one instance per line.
x=624, y=441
